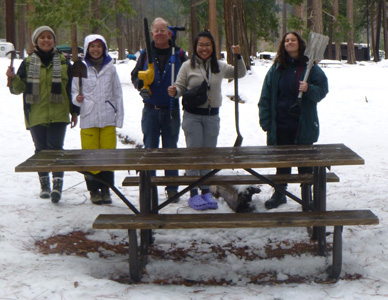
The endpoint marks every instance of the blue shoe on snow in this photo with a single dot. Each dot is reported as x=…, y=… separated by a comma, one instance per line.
x=211, y=203
x=198, y=203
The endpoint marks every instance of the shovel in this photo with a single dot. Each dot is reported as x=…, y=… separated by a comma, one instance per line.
x=80, y=71
x=314, y=51
x=13, y=55
x=239, y=138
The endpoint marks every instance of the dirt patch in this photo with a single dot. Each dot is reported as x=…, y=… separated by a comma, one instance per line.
x=77, y=243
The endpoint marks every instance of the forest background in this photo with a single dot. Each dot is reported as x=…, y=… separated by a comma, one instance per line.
x=261, y=23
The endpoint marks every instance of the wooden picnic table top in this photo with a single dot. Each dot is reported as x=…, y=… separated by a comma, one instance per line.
x=319, y=155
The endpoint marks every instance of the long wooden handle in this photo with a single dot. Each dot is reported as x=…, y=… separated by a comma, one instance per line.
x=80, y=85
x=9, y=79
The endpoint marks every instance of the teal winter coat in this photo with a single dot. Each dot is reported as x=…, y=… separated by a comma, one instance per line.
x=308, y=131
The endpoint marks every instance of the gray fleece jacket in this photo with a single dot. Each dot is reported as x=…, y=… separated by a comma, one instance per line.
x=188, y=78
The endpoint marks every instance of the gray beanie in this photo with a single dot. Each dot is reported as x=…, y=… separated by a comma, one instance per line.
x=38, y=32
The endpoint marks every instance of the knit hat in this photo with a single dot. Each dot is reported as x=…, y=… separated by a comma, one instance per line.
x=38, y=31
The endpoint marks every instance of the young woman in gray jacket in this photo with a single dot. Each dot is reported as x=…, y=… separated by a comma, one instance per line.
x=201, y=124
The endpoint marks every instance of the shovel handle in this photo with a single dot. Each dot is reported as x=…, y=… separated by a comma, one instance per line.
x=306, y=76
x=80, y=85
x=9, y=79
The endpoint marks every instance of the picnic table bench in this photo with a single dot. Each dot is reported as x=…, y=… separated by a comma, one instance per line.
x=138, y=256
x=229, y=179
x=320, y=157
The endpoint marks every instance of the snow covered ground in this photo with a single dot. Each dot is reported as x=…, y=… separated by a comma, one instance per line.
x=353, y=113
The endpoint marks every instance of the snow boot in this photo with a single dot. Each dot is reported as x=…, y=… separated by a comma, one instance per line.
x=95, y=197
x=105, y=195
x=171, y=193
x=45, y=189
x=276, y=199
x=56, y=193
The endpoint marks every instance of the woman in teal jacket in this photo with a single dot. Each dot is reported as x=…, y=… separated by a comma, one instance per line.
x=44, y=78
x=282, y=84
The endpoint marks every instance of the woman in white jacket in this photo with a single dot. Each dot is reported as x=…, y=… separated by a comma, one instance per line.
x=101, y=103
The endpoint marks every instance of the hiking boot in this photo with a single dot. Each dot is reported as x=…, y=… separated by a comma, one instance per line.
x=105, y=195
x=171, y=193
x=56, y=193
x=95, y=197
x=45, y=189
x=277, y=199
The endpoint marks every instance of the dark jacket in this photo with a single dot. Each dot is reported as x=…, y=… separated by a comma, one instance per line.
x=162, y=79
x=308, y=128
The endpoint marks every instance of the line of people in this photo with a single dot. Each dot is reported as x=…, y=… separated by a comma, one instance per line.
x=52, y=100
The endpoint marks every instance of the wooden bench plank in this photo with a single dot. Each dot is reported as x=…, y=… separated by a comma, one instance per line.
x=229, y=179
x=238, y=220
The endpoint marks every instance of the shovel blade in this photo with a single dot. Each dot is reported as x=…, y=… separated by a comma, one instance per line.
x=79, y=69
x=316, y=46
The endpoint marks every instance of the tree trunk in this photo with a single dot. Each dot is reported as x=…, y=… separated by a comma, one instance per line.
x=378, y=32
x=228, y=20
x=127, y=28
x=299, y=13
x=194, y=24
x=10, y=34
x=330, y=44
x=373, y=29
x=241, y=29
x=30, y=11
x=385, y=34
x=135, y=28
x=22, y=30
x=284, y=17
x=317, y=16
x=120, y=36
x=96, y=13
x=367, y=27
x=253, y=43
x=338, y=54
x=351, y=53
x=213, y=24
x=310, y=13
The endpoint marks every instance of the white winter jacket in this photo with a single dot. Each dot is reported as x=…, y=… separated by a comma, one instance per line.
x=103, y=97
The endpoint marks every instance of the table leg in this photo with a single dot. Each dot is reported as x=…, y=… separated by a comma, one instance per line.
x=134, y=264
x=306, y=195
x=319, y=202
x=145, y=191
x=335, y=270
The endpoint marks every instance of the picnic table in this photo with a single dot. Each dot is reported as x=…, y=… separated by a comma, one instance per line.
x=250, y=159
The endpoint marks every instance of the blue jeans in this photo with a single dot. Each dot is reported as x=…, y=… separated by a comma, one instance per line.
x=50, y=137
x=156, y=123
